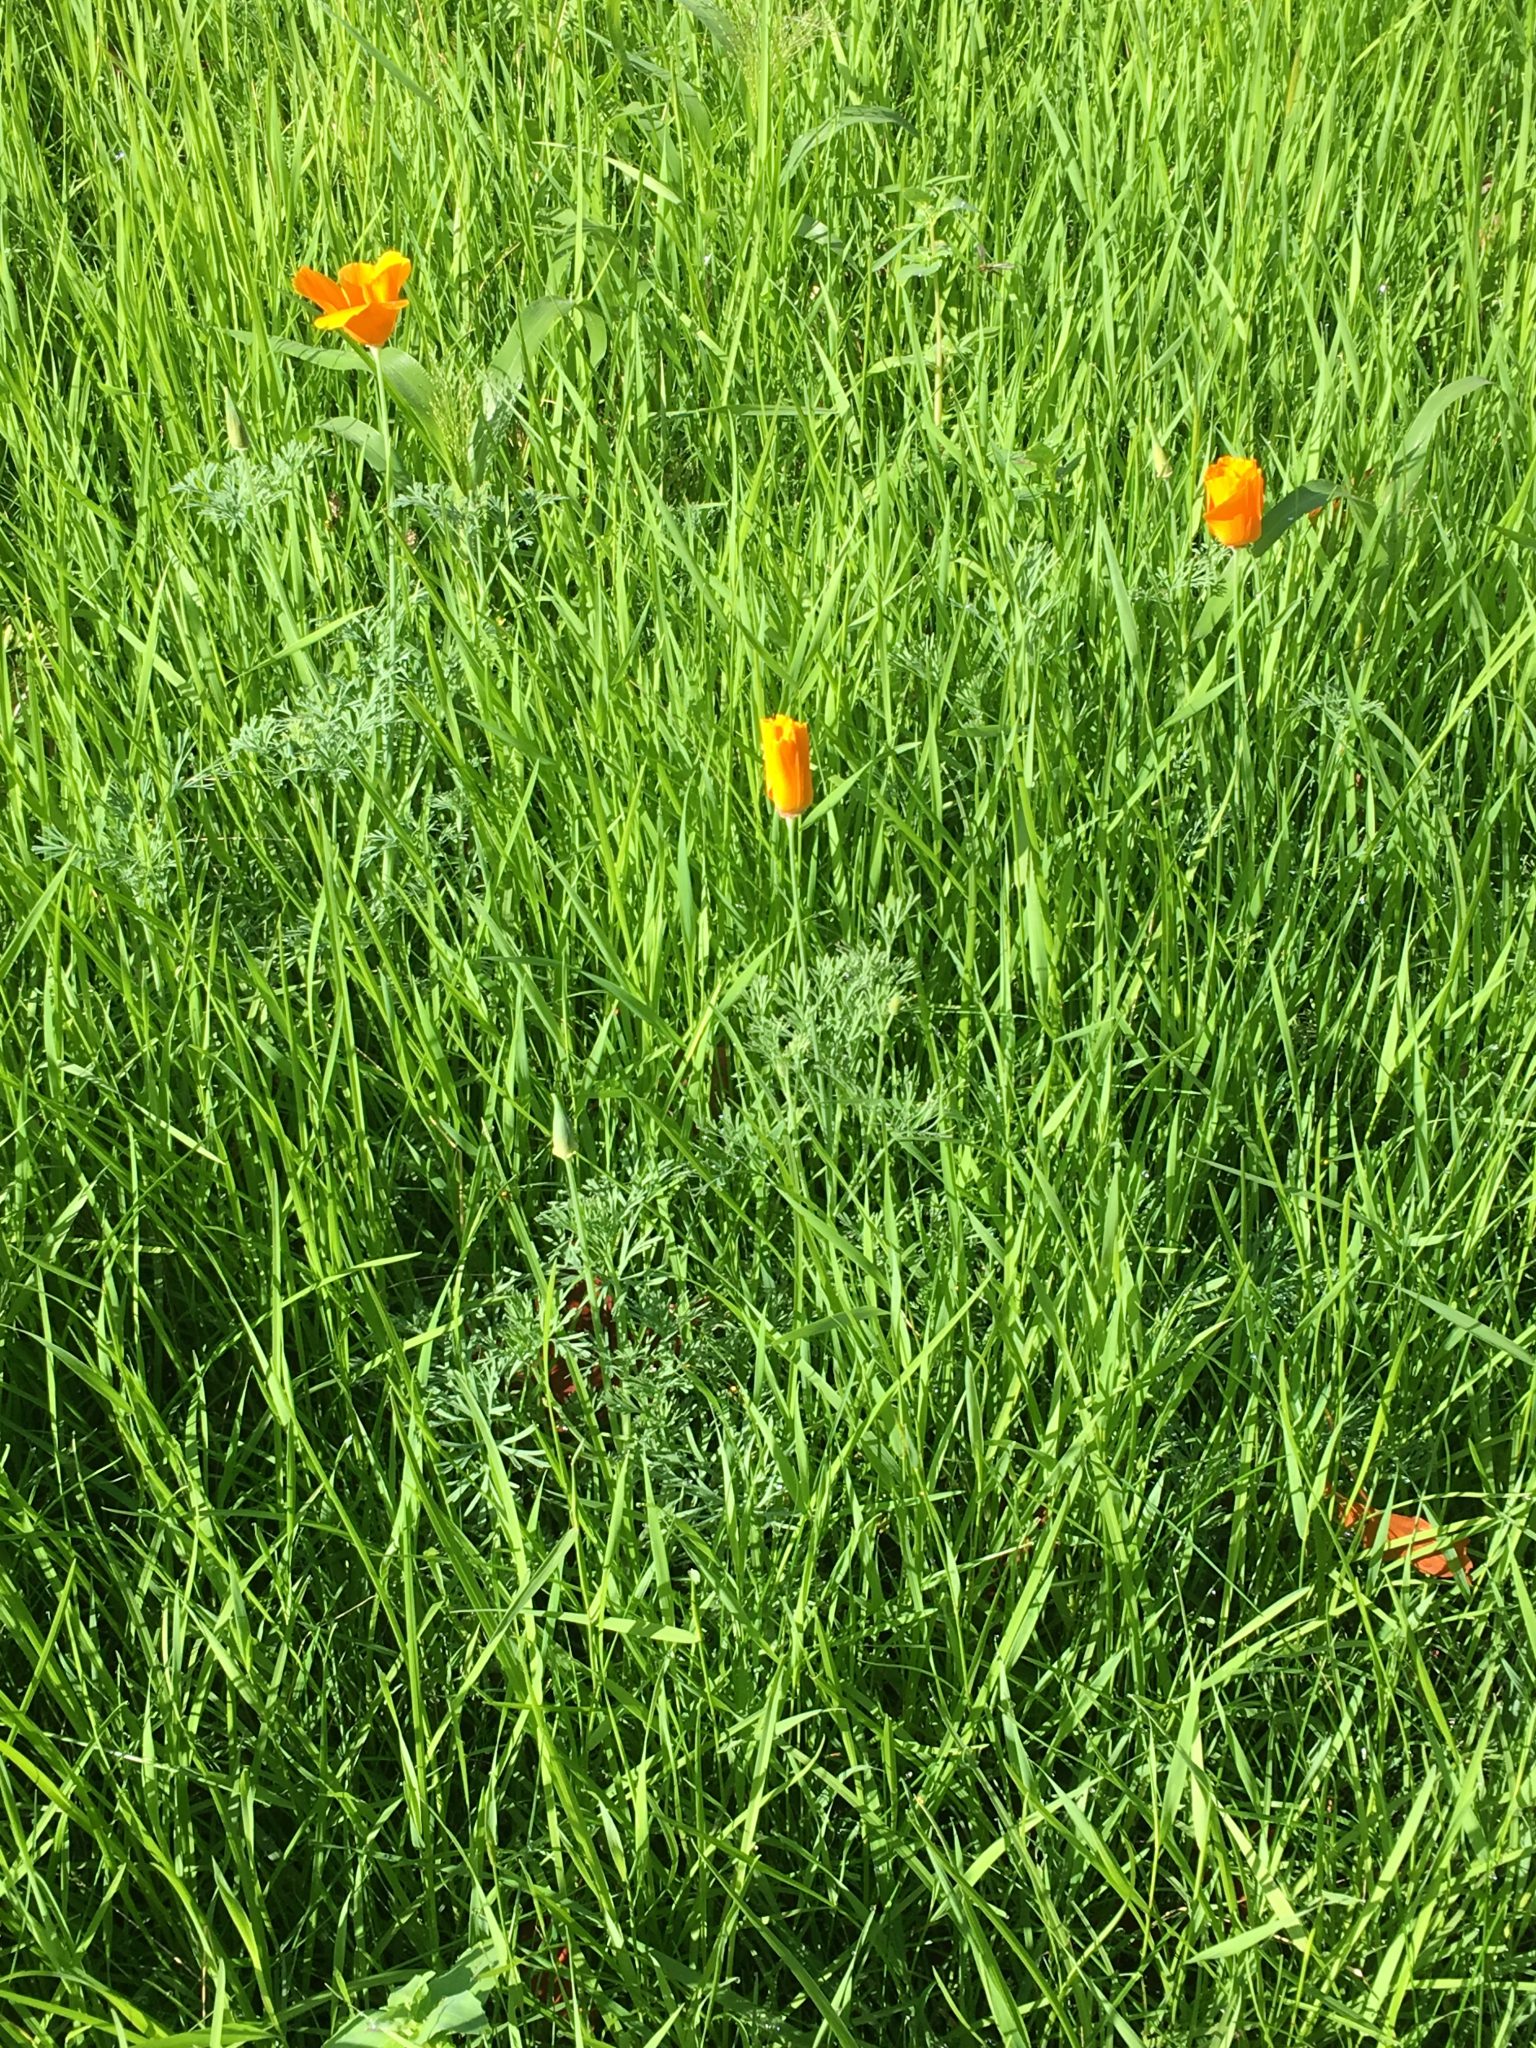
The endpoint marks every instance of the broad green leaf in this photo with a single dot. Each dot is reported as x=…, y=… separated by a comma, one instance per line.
x=1212, y=612
x=480, y=448
x=425, y=2008
x=1286, y=511
x=696, y=113
x=905, y=272
x=369, y=2030
x=535, y=323
x=360, y=435
x=459, y=2013
x=720, y=25
x=341, y=356
x=411, y=383
x=1415, y=442
x=597, y=333
x=847, y=117
x=472, y=1972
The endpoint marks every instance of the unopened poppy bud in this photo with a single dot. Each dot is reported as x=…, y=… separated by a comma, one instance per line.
x=562, y=1139
x=786, y=764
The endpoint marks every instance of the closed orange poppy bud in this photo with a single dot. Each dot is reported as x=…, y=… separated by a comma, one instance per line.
x=363, y=302
x=787, y=764
x=1234, y=500
x=1409, y=1536
x=1412, y=1537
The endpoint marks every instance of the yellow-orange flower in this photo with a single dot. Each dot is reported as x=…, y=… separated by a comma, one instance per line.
x=1234, y=500
x=787, y=764
x=363, y=302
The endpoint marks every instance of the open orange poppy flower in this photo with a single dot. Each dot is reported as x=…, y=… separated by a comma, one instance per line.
x=363, y=303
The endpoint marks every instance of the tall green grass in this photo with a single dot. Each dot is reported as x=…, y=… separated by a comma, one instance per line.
x=848, y=1557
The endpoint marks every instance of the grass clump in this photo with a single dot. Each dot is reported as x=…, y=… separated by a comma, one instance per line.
x=853, y=1552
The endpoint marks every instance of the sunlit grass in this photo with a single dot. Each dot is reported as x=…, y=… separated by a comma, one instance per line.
x=846, y=1555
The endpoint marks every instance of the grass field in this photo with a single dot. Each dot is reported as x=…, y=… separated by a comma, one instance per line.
x=851, y=1548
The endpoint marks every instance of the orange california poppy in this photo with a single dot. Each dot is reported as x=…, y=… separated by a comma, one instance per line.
x=1408, y=1536
x=364, y=302
x=787, y=764
x=1234, y=500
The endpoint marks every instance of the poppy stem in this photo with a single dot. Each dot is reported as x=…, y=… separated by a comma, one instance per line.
x=794, y=897
x=1238, y=613
x=389, y=481
x=806, y=1002
x=587, y=1273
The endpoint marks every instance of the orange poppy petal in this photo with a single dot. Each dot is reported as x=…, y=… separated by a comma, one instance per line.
x=322, y=290
x=373, y=325
x=1410, y=1537
x=1228, y=503
x=386, y=277
x=786, y=764
x=1241, y=530
x=1234, y=500
x=353, y=278
x=1237, y=485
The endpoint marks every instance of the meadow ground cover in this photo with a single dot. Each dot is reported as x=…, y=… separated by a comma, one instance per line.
x=646, y=1425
